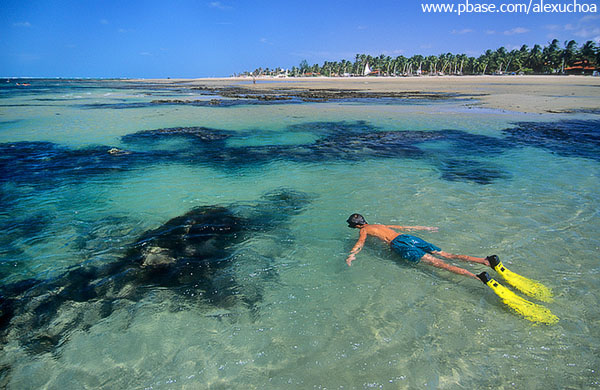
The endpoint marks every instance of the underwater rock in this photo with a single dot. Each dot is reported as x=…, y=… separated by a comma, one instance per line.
x=117, y=151
x=570, y=138
x=47, y=164
x=115, y=106
x=319, y=95
x=192, y=256
x=157, y=257
x=471, y=171
x=203, y=134
x=338, y=141
x=235, y=96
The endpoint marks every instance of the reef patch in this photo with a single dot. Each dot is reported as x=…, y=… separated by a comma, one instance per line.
x=194, y=258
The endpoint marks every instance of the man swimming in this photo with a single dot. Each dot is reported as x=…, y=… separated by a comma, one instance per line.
x=411, y=248
x=414, y=250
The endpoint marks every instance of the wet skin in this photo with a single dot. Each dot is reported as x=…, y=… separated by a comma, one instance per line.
x=387, y=234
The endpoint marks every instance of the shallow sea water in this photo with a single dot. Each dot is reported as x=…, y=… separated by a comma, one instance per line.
x=530, y=196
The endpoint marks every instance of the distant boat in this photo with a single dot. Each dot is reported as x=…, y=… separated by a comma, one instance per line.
x=367, y=70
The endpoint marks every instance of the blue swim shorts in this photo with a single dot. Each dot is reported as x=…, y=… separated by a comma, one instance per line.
x=412, y=248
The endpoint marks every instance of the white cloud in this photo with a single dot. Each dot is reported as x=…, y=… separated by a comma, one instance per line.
x=511, y=47
x=490, y=32
x=265, y=41
x=586, y=28
x=393, y=53
x=463, y=31
x=218, y=5
x=516, y=30
x=587, y=32
x=589, y=17
x=146, y=54
x=22, y=24
x=553, y=27
x=103, y=21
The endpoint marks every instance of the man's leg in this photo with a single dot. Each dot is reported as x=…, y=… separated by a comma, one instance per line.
x=472, y=259
x=428, y=259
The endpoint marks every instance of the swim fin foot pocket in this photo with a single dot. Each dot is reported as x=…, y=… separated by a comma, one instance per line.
x=494, y=260
x=484, y=277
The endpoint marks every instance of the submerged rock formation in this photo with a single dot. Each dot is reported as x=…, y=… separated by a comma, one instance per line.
x=463, y=157
x=192, y=256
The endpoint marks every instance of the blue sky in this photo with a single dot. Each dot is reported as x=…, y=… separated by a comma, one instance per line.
x=197, y=38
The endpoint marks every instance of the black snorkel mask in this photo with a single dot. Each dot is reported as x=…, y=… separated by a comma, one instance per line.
x=355, y=220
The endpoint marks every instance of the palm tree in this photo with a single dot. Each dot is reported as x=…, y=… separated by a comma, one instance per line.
x=473, y=65
x=485, y=59
x=362, y=63
x=552, y=55
x=551, y=58
x=388, y=64
x=499, y=58
x=429, y=63
x=521, y=58
x=569, y=55
x=304, y=67
x=535, y=60
x=357, y=64
x=401, y=64
x=460, y=62
x=589, y=53
x=443, y=62
x=417, y=62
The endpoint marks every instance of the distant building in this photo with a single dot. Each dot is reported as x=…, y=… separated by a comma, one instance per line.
x=582, y=67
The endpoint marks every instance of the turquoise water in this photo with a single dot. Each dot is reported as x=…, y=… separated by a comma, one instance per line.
x=283, y=310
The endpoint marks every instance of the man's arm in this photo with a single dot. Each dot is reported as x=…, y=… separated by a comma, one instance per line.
x=429, y=228
x=357, y=247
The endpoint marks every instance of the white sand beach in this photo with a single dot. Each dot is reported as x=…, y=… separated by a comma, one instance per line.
x=530, y=94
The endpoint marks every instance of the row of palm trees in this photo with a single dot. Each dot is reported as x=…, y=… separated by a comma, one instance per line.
x=550, y=59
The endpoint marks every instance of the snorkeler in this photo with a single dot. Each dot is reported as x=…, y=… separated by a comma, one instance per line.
x=415, y=250
x=411, y=248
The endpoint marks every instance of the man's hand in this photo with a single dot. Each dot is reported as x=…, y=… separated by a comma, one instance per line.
x=430, y=229
x=350, y=259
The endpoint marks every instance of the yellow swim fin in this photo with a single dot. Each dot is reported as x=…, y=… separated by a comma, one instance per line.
x=529, y=310
x=533, y=288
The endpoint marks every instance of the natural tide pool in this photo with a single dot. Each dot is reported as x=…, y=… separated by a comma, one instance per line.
x=248, y=203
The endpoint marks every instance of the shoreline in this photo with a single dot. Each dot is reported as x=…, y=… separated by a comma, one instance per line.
x=528, y=94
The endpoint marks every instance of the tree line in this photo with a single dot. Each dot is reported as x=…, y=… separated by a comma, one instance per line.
x=550, y=59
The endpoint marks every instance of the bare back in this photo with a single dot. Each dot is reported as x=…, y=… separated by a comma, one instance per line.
x=383, y=232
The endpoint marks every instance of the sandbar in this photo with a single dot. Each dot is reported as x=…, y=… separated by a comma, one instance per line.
x=529, y=94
